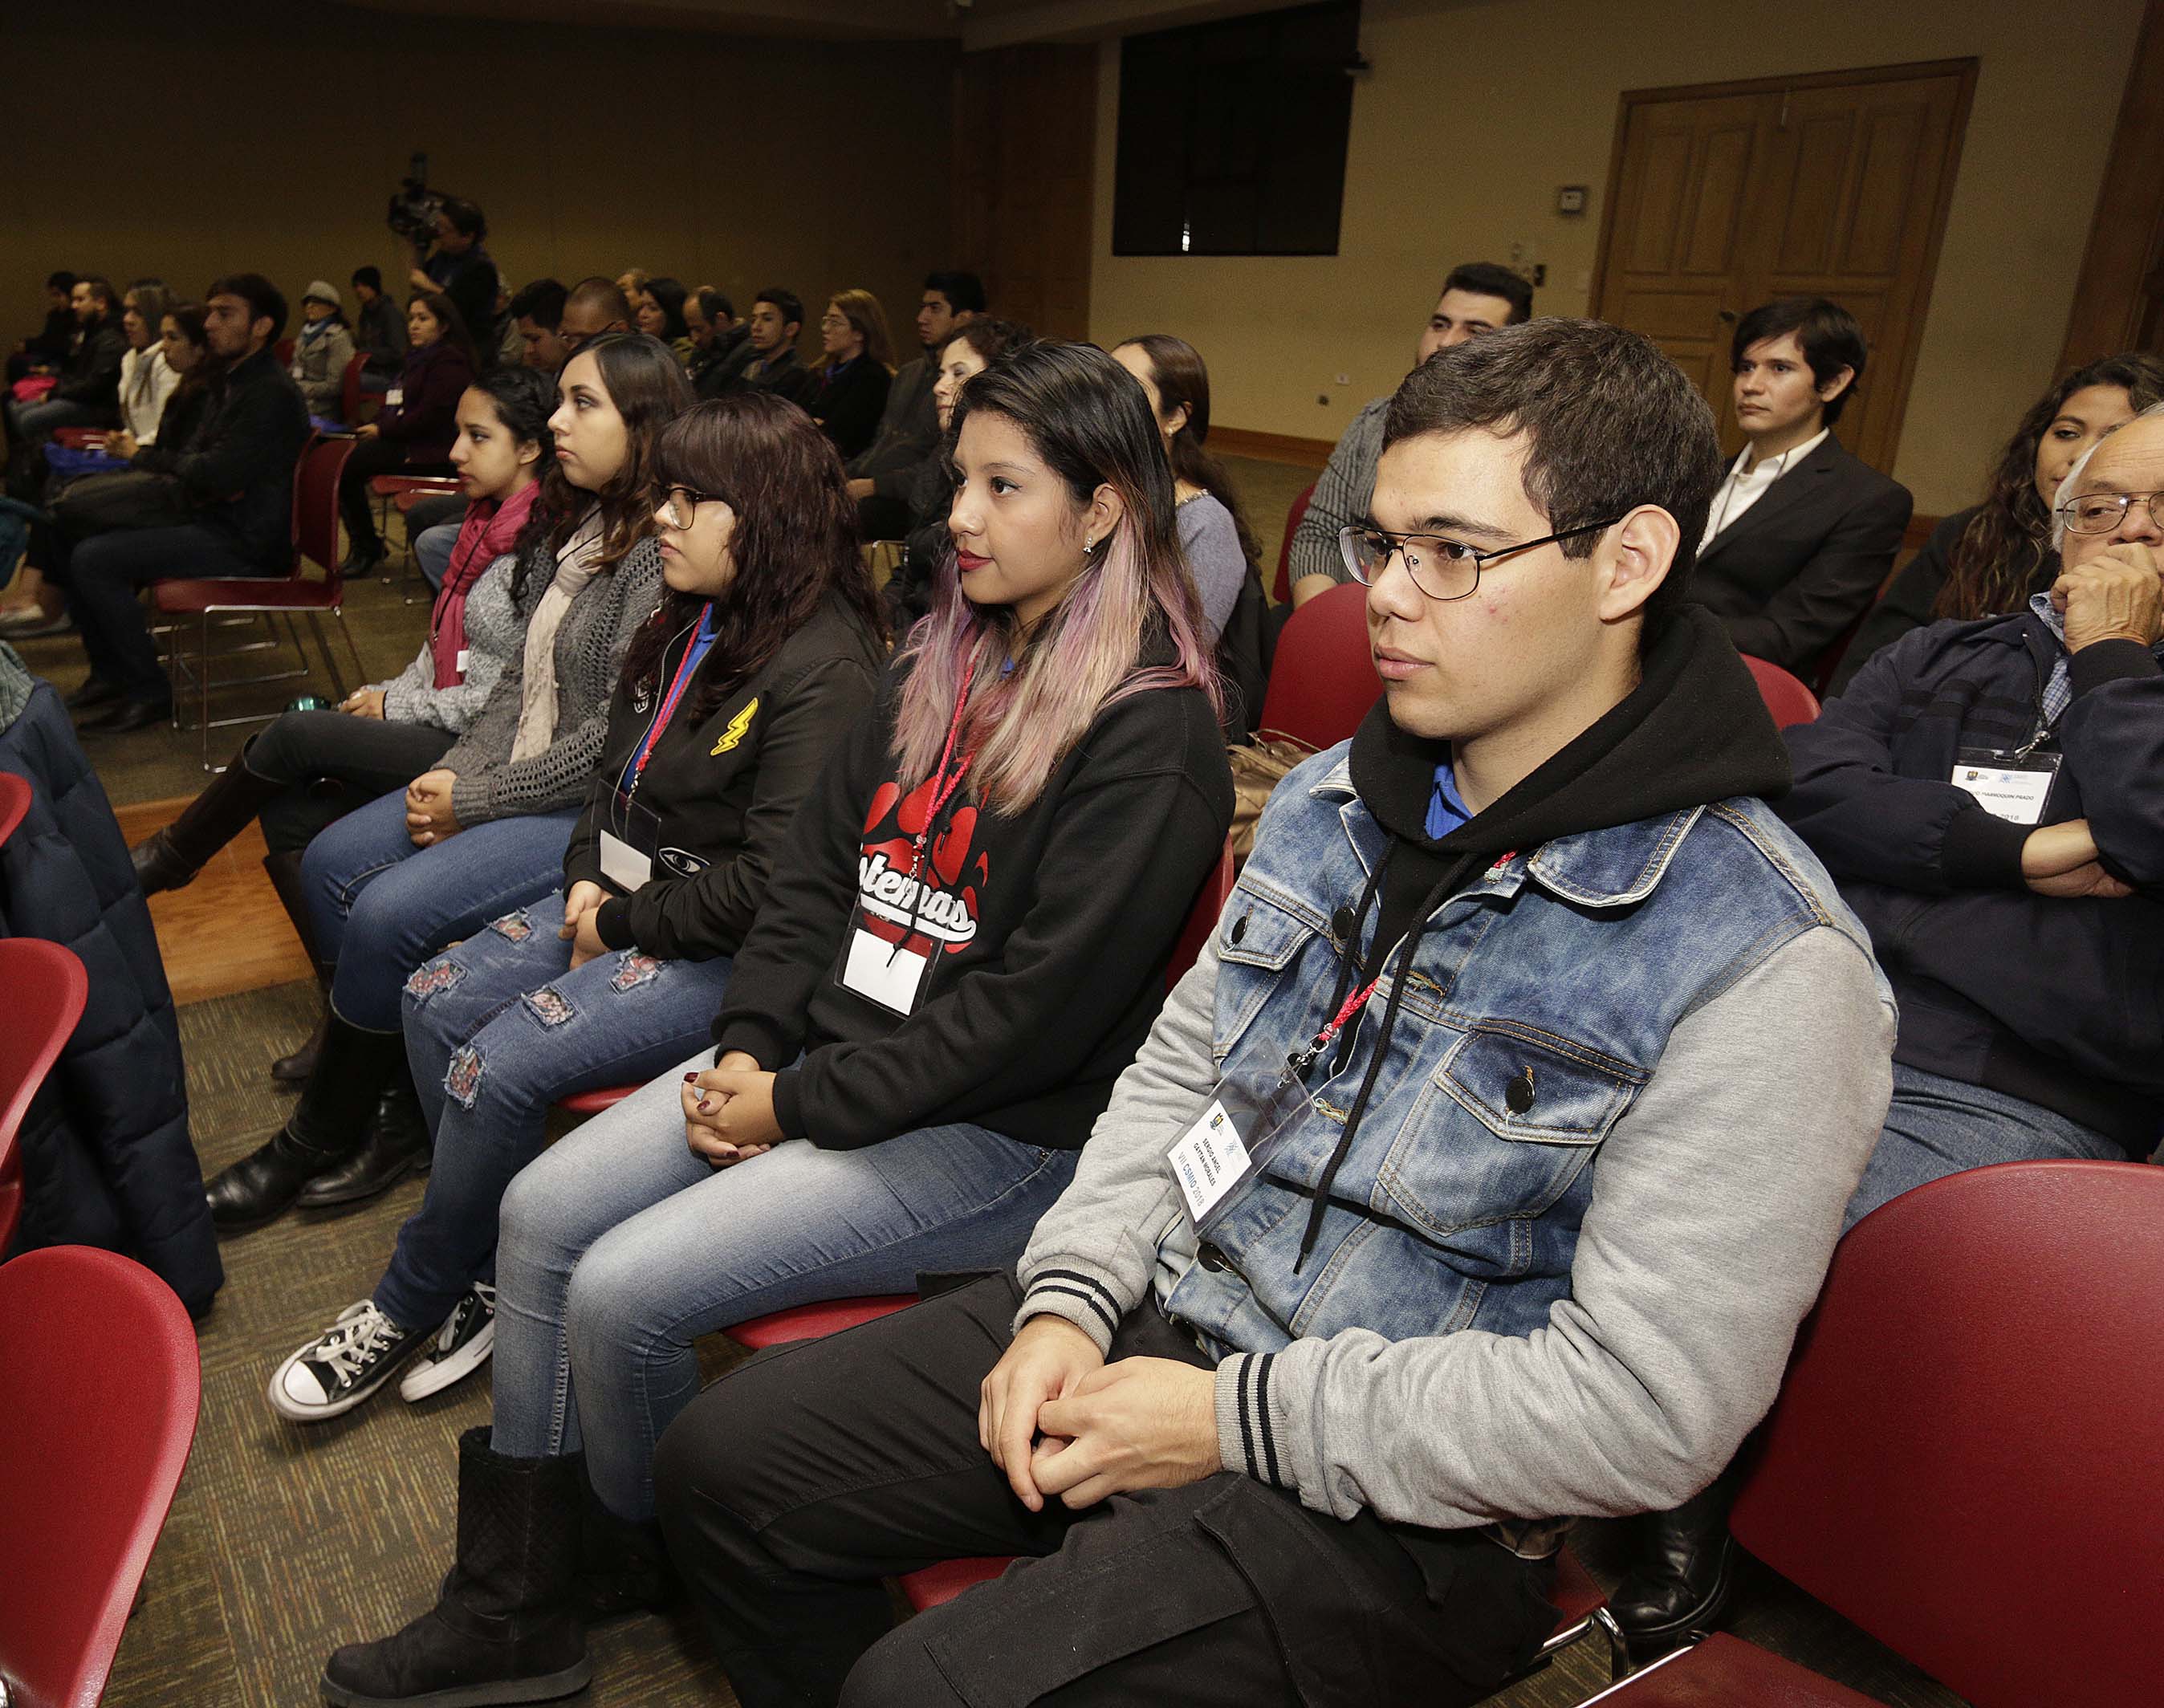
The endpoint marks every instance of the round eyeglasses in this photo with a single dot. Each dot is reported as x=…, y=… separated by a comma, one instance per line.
x=2101, y=512
x=1442, y=569
x=681, y=504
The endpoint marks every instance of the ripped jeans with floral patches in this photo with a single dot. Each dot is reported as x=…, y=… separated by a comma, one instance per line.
x=498, y=1029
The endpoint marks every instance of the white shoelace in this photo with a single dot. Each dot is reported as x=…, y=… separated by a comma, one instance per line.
x=354, y=1343
x=480, y=1297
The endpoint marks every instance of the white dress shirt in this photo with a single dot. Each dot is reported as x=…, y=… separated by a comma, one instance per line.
x=147, y=382
x=1746, y=483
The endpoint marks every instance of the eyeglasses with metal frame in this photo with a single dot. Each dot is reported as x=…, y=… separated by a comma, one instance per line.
x=1442, y=569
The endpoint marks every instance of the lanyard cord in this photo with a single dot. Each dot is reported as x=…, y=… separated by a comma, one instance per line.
x=943, y=788
x=1344, y=1007
x=635, y=768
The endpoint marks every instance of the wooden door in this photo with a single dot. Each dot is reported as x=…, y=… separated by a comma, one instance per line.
x=1022, y=182
x=1835, y=186
x=2119, y=305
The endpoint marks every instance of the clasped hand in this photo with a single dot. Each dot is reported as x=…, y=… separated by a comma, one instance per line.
x=729, y=1111
x=582, y=907
x=1059, y=1421
x=429, y=818
x=2063, y=860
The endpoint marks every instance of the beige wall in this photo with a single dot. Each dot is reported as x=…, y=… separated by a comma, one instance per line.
x=273, y=143
x=1476, y=112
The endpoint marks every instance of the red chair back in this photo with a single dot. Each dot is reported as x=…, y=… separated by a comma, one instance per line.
x=1963, y=1457
x=350, y=392
x=15, y=802
x=283, y=351
x=99, y=1383
x=1293, y=517
x=1788, y=699
x=1202, y=918
x=1323, y=679
x=315, y=504
x=47, y=988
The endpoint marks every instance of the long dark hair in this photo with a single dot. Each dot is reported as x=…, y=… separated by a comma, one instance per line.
x=668, y=295
x=646, y=384
x=192, y=319
x=523, y=399
x=455, y=333
x=795, y=542
x=1995, y=565
x=1177, y=370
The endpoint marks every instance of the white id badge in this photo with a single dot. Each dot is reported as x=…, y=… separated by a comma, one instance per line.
x=465, y=653
x=2005, y=787
x=1230, y=1143
x=630, y=835
x=395, y=396
x=623, y=865
x=889, y=975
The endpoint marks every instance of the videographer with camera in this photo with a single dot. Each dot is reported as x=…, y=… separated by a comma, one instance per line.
x=461, y=268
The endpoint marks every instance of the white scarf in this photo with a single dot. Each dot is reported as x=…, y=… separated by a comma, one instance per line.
x=536, y=707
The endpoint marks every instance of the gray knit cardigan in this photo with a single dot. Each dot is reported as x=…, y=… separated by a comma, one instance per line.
x=590, y=647
x=495, y=634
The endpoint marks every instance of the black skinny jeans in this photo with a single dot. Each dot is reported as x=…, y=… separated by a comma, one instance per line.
x=791, y=1486
x=372, y=457
x=331, y=762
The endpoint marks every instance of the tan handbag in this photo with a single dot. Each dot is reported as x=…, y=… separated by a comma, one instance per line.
x=1257, y=768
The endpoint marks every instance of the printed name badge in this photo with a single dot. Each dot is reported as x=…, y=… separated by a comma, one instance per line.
x=630, y=835
x=889, y=975
x=394, y=396
x=2015, y=789
x=1231, y=1143
x=465, y=653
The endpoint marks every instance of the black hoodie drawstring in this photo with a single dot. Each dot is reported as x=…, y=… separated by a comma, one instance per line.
x=1435, y=898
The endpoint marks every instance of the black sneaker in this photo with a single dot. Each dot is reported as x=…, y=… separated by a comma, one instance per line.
x=356, y=1355
x=461, y=1346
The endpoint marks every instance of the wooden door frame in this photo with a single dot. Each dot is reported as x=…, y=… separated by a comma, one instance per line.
x=2114, y=267
x=1956, y=134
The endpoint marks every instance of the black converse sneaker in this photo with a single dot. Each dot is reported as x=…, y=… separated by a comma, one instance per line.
x=460, y=1348
x=356, y=1355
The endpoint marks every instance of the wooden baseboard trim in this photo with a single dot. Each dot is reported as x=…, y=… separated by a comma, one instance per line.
x=1271, y=447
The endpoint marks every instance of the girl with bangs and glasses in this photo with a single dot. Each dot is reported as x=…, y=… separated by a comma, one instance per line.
x=764, y=651
x=962, y=943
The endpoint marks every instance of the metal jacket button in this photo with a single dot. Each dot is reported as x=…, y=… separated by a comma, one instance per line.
x=1209, y=1257
x=1519, y=1093
x=1239, y=927
x=1341, y=923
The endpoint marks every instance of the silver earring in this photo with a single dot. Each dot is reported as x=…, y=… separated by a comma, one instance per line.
x=1089, y=548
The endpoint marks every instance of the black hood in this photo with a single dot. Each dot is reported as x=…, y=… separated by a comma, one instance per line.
x=1695, y=730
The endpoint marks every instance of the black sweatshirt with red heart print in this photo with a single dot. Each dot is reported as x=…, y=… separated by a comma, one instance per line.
x=1046, y=934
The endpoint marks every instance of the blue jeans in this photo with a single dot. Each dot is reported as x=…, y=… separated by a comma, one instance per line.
x=496, y=1030
x=1938, y=1127
x=380, y=906
x=621, y=1247
x=432, y=551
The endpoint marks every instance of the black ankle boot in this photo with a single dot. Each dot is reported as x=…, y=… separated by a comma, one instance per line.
x=284, y=871
x=623, y=1568
x=169, y=859
x=328, y=1125
x=397, y=1146
x=503, y=1630
x=1679, y=1576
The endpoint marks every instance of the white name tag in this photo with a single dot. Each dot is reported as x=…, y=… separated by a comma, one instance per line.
x=623, y=865
x=1208, y=1160
x=2014, y=793
x=891, y=975
x=465, y=653
x=394, y=397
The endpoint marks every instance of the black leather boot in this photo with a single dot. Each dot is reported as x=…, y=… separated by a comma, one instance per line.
x=1679, y=1577
x=502, y=1629
x=284, y=871
x=328, y=1125
x=397, y=1146
x=169, y=859
x=623, y=1568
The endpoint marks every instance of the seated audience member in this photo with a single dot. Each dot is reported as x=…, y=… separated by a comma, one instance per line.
x=321, y=351
x=510, y=344
x=538, y=312
x=1213, y=536
x=658, y=310
x=481, y=832
x=379, y=331
x=1800, y=534
x=721, y=344
x=881, y=476
x=1987, y=795
x=961, y=944
x=765, y=649
x=87, y=392
x=235, y=469
x=595, y=308
x=858, y=370
x=413, y=433
x=147, y=379
x=631, y=282
x=1988, y=560
x=44, y=349
x=1477, y=298
x=1546, y=1249
x=777, y=320
x=908, y=593
x=460, y=269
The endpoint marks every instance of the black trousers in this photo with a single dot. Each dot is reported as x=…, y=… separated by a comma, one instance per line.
x=372, y=457
x=101, y=576
x=791, y=1486
x=331, y=763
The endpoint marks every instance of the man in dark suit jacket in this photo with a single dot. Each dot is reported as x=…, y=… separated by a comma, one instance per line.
x=1801, y=534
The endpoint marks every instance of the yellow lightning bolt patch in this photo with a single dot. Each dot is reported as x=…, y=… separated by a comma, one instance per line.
x=735, y=732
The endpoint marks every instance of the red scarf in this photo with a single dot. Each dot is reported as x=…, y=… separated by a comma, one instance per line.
x=489, y=531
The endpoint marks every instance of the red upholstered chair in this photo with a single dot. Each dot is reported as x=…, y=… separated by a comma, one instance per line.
x=1962, y=1459
x=1323, y=679
x=15, y=802
x=1788, y=699
x=349, y=391
x=1282, y=589
x=90, y=1449
x=315, y=539
x=283, y=350
x=47, y=988
x=79, y=437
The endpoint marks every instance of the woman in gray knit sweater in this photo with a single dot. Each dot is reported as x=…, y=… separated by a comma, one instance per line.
x=483, y=832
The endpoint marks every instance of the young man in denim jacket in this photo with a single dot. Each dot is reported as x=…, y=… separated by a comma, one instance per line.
x=1301, y=1419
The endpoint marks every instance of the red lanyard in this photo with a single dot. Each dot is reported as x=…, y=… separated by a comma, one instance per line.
x=667, y=709
x=945, y=784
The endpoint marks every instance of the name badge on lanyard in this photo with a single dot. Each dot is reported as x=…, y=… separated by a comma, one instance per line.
x=631, y=832
x=2015, y=786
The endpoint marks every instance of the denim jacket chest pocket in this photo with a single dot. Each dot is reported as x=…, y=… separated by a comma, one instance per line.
x=1260, y=936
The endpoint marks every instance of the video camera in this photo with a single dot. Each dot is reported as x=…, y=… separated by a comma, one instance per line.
x=413, y=211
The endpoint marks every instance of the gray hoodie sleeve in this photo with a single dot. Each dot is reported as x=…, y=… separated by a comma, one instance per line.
x=1716, y=1205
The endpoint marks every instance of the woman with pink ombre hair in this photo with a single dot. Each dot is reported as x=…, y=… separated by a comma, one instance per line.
x=962, y=945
